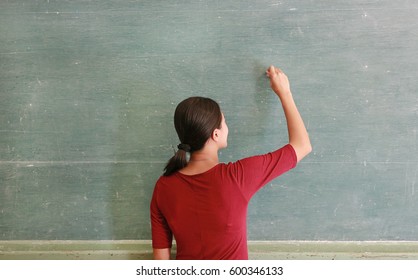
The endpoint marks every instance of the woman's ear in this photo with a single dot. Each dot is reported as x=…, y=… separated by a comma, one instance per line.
x=215, y=135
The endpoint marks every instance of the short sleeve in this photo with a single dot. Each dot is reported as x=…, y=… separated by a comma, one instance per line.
x=162, y=236
x=252, y=173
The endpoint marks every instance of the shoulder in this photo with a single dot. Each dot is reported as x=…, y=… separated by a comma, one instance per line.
x=165, y=180
x=163, y=186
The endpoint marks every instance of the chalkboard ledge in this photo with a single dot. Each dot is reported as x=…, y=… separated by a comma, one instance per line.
x=261, y=250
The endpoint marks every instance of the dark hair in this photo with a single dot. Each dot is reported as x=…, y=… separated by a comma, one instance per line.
x=195, y=119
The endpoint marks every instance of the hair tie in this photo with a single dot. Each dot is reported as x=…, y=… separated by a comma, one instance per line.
x=184, y=147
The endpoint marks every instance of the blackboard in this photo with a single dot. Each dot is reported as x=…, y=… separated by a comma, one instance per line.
x=88, y=90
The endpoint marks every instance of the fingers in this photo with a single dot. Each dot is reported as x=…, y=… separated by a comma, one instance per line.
x=273, y=71
x=270, y=71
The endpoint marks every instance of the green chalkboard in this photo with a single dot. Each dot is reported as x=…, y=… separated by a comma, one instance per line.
x=88, y=90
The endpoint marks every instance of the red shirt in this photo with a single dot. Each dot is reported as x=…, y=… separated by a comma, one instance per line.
x=207, y=212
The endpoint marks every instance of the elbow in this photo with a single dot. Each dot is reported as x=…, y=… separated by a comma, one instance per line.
x=308, y=148
x=302, y=150
x=307, y=145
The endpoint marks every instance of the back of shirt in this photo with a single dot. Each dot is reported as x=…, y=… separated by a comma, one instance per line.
x=207, y=212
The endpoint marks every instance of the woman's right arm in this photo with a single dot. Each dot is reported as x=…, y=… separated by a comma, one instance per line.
x=298, y=136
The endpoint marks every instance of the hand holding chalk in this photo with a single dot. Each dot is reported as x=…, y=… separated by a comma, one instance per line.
x=278, y=81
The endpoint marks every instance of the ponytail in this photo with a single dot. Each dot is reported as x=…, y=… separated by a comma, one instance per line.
x=195, y=119
x=177, y=162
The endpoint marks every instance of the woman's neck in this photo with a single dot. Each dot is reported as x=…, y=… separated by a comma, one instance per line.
x=200, y=162
x=204, y=157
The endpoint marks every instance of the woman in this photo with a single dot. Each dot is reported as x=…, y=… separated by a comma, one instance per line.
x=202, y=202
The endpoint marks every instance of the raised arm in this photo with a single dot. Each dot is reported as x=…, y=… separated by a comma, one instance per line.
x=298, y=136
